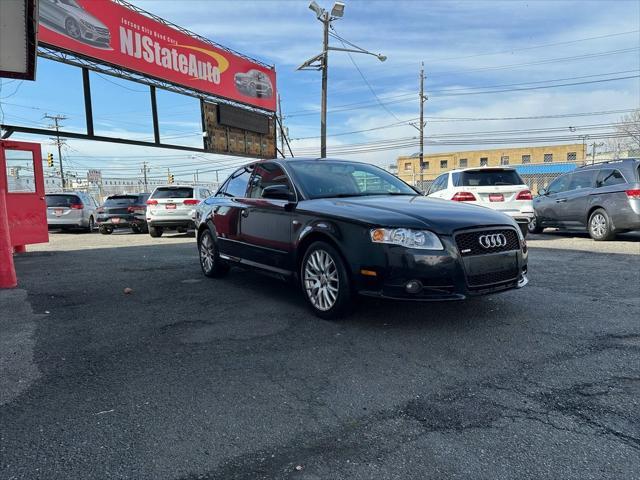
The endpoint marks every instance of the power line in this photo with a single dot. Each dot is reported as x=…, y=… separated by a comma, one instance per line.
x=569, y=42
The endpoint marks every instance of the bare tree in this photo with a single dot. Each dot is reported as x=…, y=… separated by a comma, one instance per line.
x=629, y=126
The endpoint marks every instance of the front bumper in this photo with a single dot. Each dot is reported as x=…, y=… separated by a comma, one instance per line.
x=442, y=275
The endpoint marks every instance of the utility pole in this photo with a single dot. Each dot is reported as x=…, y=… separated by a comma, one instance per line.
x=422, y=100
x=593, y=146
x=56, y=119
x=326, y=22
x=281, y=126
x=144, y=174
x=321, y=61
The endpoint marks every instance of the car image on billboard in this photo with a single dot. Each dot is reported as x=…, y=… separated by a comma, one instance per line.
x=68, y=18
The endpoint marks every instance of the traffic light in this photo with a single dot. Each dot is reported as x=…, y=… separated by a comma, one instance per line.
x=170, y=177
x=50, y=159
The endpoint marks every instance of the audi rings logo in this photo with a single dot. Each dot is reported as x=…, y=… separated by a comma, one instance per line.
x=492, y=241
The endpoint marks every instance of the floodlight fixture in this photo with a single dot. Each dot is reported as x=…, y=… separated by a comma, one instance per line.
x=338, y=10
x=317, y=9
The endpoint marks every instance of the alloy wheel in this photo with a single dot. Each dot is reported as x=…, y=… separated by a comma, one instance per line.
x=207, y=253
x=73, y=29
x=599, y=225
x=321, y=280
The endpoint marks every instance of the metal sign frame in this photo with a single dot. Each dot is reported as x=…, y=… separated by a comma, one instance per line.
x=87, y=64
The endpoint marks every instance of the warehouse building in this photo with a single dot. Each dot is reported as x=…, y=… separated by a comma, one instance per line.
x=409, y=169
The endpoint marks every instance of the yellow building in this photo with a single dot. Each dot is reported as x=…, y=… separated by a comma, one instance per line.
x=436, y=163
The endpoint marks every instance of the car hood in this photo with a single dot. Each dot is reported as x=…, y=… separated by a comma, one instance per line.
x=440, y=216
x=80, y=14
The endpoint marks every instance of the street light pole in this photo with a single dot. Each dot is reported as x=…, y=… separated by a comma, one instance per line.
x=321, y=61
x=326, y=21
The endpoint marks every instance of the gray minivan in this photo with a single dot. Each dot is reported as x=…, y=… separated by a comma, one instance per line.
x=71, y=210
x=603, y=199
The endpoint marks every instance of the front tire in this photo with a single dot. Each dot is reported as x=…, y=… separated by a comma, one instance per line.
x=73, y=29
x=210, y=262
x=534, y=226
x=600, y=226
x=105, y=230
x=325, y=282
x=155, y=232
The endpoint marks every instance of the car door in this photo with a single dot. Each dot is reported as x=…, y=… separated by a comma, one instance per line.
x=265, y=223
x=573, y=211
x=226, y=214
x=547, y=205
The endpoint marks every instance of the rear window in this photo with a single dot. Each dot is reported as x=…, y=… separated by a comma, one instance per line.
x=62, y=200
x=173, y=192
x=120, y=201
x=488, y=178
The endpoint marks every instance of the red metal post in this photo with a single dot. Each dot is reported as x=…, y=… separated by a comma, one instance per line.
x=7, y=269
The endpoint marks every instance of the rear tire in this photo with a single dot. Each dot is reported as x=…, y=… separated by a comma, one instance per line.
x=92, y=225
x=325, y=281
x=155, y=232
x=600, y=226
x=534, y=226
x=135, y=229
x=210, y=262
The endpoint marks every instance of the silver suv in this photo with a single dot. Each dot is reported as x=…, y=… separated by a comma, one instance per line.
x=71, y=210
x=173, y=207
x=603, y=199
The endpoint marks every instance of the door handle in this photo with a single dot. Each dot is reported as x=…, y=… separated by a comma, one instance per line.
x=561, y=200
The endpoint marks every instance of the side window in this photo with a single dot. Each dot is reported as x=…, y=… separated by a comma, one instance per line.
x=455, y=179
x=608, y=177
x=267, y=175
x=560, y=184
x=237, y=184
x=439, y=184
x=581, y=180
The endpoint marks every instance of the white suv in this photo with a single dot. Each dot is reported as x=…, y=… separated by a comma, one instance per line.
x=173, y=207
x=499, y=188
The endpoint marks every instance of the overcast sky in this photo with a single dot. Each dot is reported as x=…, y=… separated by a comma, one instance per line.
x=468, y=47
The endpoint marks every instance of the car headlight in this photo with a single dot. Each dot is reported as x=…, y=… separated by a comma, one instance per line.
x=420, y=239
x=87, y=25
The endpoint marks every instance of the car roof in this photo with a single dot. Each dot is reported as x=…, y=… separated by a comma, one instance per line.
x=479, y=169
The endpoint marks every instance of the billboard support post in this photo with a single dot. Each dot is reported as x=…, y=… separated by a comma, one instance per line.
x=88, y=108
x=154, y=115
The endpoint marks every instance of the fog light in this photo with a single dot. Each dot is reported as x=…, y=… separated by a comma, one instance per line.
x=413, y=286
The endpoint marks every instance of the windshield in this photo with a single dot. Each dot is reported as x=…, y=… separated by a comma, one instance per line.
x=121, y=201
x=173, y=192
x=328, y=178
x=62, y=200
x=487, y=178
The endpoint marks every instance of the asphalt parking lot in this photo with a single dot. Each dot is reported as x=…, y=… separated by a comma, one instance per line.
x=192, y=378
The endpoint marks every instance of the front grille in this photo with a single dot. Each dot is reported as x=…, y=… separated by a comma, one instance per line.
x=102, y=31
x=469, y=242
x=492, y=278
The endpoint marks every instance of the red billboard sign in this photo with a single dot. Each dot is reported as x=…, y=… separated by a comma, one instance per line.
x=114, y=33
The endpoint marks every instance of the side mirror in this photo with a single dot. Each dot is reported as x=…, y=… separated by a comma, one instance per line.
x=542, y=191
x=277, y=192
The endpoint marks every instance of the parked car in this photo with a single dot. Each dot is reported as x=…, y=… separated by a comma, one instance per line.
x=123, y=211
x=71, y=210
x=603, y=199
x=74, y=21
x=173, y=207
x=499, y=188
x=254, y=83
x=342, y=228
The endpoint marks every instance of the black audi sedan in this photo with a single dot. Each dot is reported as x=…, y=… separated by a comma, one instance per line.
x=341, y=228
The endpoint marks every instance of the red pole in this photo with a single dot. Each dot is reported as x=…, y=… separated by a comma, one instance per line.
x=7, y=269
